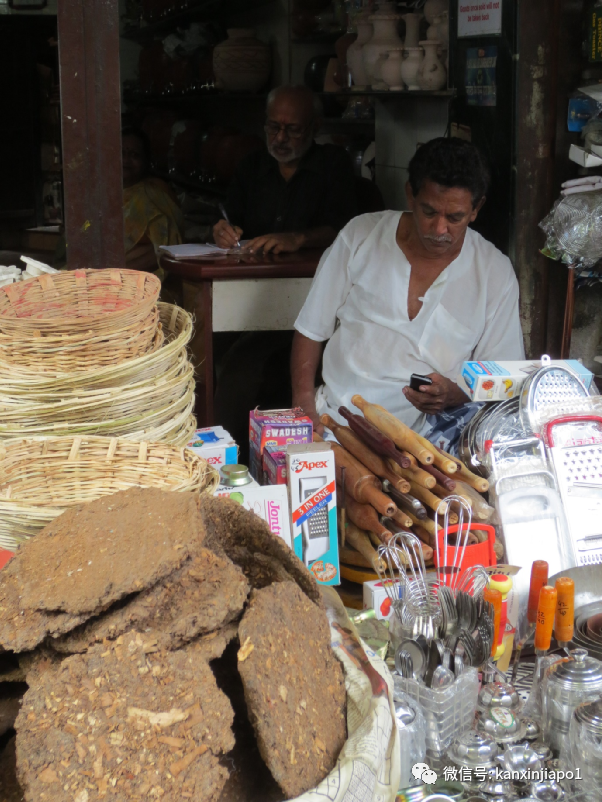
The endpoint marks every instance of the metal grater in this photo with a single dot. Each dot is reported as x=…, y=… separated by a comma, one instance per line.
x=576, y=448
x=316, y=535
x=551, y=385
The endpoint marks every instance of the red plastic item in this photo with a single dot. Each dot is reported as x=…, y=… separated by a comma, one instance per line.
x=5, y=556
x=477, y=554
x=567, y=419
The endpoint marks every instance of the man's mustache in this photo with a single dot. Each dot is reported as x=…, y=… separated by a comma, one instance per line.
x=443, y=238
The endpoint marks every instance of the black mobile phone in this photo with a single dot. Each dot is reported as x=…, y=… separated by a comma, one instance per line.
x=417, y=381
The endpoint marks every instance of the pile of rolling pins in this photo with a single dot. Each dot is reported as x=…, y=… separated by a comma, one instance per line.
x=390, y=479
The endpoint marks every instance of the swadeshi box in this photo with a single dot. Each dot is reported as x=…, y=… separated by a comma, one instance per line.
x=269, y=503
x=498, y=381
x=274, y=465
x=215, y=445
x=278, y=427
x=313, y=501
x=376, y=597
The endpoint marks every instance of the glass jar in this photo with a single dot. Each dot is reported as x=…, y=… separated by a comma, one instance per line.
x=585, y=743
x=412, y=735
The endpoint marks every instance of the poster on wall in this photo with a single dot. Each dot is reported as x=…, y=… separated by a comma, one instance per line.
x=480, y=80
x=479, y=17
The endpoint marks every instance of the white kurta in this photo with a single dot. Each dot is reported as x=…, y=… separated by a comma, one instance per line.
x=359, y=303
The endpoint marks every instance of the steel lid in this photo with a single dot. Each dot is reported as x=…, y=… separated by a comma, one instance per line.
x=578, y=672
x=404, y=715
x=235, y=475
x=589, y=715
x=473, y=749
x=499, y=694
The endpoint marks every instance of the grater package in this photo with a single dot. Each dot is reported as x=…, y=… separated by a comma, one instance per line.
x=313, y=502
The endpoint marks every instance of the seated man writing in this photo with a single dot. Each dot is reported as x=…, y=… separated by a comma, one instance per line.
x=403, y=293
x=294, y=194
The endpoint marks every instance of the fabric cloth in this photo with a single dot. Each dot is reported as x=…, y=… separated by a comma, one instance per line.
x=151, y=214
x=358, y=302
x=320, y=193
x=445, y=429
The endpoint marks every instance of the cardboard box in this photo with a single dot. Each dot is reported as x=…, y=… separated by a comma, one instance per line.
x=313, y=503
x=377, y=598
x=275, y=427
x=498, y=381
x=269, y=503
x=274, y=465
x=215, y=445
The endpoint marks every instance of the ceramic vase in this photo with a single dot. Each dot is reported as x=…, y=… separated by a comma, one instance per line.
x=355, y=56
x=410, y=67
x=439, y=30
x=434, y=8
x=412, y=22
x=391, y=70
x=378, y=82
x=432, y=75
x=242, y=63
x=385, y=38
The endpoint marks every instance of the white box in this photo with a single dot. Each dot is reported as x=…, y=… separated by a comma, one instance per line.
x=498, y=381
x=269, y=502
x=215, y=445
x=582, y=157
x=313, y=501
x=377, y=598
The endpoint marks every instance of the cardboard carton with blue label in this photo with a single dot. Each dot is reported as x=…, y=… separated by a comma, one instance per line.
x=313, y=503
x=216, y=445
x=499, y=381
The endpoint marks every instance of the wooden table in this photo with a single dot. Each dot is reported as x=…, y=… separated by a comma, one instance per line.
x=244, y=293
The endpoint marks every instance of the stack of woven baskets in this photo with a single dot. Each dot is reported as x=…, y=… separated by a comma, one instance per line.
x=96, y=395
x=92, y=352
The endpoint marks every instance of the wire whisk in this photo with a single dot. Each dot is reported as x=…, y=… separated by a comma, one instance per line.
x=450, y=574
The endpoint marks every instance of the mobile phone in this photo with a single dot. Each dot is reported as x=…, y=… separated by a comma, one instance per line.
x=416, y=381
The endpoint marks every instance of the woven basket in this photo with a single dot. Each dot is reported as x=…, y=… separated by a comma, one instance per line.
x=53, y=355
x=176, y=325
x=80, y=301
x=43, y=478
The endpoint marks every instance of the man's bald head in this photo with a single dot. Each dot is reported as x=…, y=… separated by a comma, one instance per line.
x=293, y=115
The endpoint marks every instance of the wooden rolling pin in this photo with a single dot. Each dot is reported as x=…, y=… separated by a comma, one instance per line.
x=402, y=435
x=412, y=459
x=441, y=478
x=425, y=548
x=401, y=518
x=373, y=438
x=405, y=501
x=363, y=454
x=365, y=517
x=359, y=483
x=444, y=462
x=478, y=482
x=414, y=474
x=432, y=501
x=427, y=524
x=361, y=543
x=426, y=537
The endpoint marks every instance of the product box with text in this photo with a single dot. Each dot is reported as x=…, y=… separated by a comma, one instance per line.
x=215, y=445
x=269, y=503
x=274, y=465
x=376, y=597
x=275, y=427
x=498, y=381
x=313, y=503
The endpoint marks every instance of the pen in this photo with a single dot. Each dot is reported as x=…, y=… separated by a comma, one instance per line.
x=222, y=209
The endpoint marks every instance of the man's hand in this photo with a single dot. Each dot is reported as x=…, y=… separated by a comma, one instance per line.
x=307, y=402
x=277, y=243
x=434, y=398
x=225, y=235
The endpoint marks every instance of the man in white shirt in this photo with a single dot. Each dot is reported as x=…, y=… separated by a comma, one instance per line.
x=403, y=293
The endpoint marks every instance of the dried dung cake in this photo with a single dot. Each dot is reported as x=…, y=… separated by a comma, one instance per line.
x=126, y=722
x=294, y=686
x=207, y=592
x=10, y=790
x=232, y=530
x=94, y=554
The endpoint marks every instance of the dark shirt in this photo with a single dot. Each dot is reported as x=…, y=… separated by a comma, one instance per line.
x=320, y=193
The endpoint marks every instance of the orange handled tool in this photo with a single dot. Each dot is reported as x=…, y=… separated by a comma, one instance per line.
x=494, y=596
x=546, y=613
x=539, y=578
x=564, y=626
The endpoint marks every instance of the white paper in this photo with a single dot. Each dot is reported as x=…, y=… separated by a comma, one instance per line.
x=192, y=250
x=479, y=17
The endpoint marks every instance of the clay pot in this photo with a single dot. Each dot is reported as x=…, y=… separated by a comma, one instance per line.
x=242, y=63
x=434, y=8
x=385, y=38
x=391, y=70
x=432, y=75
x=412, y=22
x=315, y=72
x=410, y=67
x=355, y=57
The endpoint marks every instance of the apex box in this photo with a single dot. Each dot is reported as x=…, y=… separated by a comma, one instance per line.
x=215, y=445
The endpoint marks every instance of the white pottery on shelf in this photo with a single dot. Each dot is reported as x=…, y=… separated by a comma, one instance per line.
x=242, y=63
x=410, y=67
x=391, y=70
x=434, y=8
x=378, y=82
x=355, y=55
x=385, y=38
x=439, y=30
x=432, y=75
x=412, y=22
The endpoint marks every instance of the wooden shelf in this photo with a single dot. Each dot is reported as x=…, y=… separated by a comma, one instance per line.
x=406, y=93
x=197, y=11
x=219, y=190
x=191, y=97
